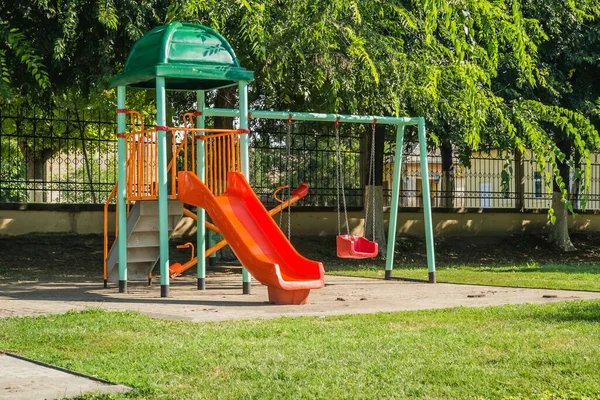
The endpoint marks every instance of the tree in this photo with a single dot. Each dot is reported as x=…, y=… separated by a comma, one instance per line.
x=59, y=56
x=563, y=108
x=429, y=57
x=473, y=68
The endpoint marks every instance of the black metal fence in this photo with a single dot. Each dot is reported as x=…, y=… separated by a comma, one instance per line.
x=56, y=155
x=310, y=157
x=63, y=156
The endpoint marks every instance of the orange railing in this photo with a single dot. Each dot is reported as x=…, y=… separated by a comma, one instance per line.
x=222, y=154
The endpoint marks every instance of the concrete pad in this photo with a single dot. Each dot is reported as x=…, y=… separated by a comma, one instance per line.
x=24, y=380
x=223, y=300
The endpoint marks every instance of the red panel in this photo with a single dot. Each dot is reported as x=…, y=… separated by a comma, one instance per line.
x=356, y=247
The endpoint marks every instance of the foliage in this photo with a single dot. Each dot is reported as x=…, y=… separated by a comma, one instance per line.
x=470, y=67
x=510, y=74
x=558, y=117
x=69, y=44
x=12, y=171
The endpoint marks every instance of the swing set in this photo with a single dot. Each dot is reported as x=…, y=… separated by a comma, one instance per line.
x=191, y=57
x=350, y=246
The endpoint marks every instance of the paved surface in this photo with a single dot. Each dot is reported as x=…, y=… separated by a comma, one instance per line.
x=24, y=380
x=224, y=301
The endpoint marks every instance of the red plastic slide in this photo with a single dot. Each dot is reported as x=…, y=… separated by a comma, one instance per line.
x=255, y=238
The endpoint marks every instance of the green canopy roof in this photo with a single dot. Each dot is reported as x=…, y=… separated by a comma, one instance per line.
x=189, y=56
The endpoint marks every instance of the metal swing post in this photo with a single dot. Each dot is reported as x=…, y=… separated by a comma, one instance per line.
x=426, y=202
x=389, y=260
x=200, y=212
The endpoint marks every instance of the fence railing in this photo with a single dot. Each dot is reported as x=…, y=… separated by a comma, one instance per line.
x=63, y=156
x=56, y=156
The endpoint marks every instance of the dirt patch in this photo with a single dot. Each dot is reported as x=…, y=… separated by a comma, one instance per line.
x=62, y=257
x=472, y=250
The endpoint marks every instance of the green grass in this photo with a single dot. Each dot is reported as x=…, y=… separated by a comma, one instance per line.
x=547, y=351
x=532, y=275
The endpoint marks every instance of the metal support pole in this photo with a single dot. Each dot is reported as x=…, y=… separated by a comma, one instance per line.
x=163, y=212
x=303, y=116
x=212, y=259
x=426, y=201
x=389, y=260
x=122, y=192
x=201, y=172
x=243, y=114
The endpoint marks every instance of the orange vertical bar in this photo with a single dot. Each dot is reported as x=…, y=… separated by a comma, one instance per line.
x=116, y=218
x=174, y=161
x=146, y=162
x=232, y=152
x=206, y=155
x=238, y=166
x=185, y=149
x=220, y=162
x=155, y=164
x=216, y=166
x=228, y=154
x=129, y=167
x=193, y=144
x=212, y=170
x=140, y=165
x=223, y=162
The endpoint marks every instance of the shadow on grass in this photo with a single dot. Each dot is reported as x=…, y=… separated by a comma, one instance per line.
x=571, y=311
x=561, y=268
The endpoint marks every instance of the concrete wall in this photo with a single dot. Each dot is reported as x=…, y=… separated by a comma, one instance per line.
x=82, y=220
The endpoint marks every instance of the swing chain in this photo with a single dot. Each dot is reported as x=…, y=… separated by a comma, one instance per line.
x=288, y=142
x=340, y=181
x=288, y=145
x=371, y=181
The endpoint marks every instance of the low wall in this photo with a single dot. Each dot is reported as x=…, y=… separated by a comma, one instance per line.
x=20, y=220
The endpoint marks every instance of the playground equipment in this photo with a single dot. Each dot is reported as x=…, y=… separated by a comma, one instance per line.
x=349, y=246
x=184, y=56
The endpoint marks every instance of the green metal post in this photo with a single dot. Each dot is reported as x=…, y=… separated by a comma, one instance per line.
x=389, y=261
x=426, y=201
x=200, y=171
x=163, y=212
x=121, y=192
x=243, y=114
x=212, y=259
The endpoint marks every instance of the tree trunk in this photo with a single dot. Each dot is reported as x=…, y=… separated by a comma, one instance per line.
x=519, y=181
x=86, y=160
x=559, y=231
x=447, y=184
x=226, y=98
x=574, y=188
x=36, y=170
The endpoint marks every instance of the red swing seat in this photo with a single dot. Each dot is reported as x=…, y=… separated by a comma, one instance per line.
x=349, y=246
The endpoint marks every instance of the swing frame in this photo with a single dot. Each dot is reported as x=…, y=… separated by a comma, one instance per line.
x=400, y=123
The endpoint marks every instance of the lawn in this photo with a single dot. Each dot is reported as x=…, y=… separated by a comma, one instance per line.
x=532, y=275
x=547, y=351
